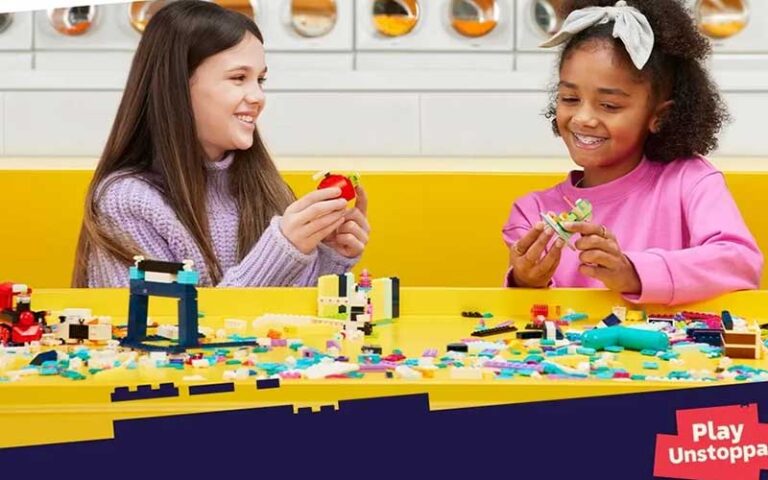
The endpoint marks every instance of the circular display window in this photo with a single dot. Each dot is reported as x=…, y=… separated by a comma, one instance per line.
x=395, y=18
x=546, y=16
x=6, y=19
x=313, y=18
x=720, y=19
x=474, y=18
x=140, y=13
x=246, y=7
x=72, y=21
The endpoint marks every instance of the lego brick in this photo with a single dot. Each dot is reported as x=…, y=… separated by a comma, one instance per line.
x=144, y=392
x=211, y=388
x=159, y=266
x=40, y=358
x=485, y=332
x=457, y=347
x=526, y=334
x=371, y=349
x=395, y=297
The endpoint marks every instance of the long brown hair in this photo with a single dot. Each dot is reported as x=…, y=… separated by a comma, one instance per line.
x=154, y=137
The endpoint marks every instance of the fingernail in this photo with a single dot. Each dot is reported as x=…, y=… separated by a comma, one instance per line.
x=548, y=231
x=568, y=224
x=559, y=243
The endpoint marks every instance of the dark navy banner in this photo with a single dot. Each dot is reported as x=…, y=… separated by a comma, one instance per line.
x=597, y=438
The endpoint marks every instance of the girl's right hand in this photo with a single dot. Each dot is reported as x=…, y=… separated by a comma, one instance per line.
x=311, y=218
x=532, y=265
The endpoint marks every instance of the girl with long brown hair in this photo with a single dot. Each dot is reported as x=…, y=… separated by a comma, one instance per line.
x=185, y=175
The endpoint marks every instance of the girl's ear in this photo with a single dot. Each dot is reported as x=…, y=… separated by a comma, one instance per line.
x=659, y=115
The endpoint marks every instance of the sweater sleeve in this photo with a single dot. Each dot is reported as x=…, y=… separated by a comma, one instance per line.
x=127, y=208
x=522, y=218
x=722, y=255
x=273, y=261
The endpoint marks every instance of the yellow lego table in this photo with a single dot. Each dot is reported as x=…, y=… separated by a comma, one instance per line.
x=48, y=409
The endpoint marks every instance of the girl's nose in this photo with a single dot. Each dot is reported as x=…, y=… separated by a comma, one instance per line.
x=585, y=117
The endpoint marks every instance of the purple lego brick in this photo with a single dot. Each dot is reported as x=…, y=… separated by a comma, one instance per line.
x=430, y=352
x=279, y=342
x=332, y=343
x=375, y=367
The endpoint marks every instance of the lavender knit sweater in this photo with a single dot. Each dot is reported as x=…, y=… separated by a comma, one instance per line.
x=141, y=213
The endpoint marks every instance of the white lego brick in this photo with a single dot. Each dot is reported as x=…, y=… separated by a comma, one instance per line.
x=85, y=313
x=465, y=373
x=99, y=332
x=168, y=331
x=323, y=369
x=407, y=373
x=235, y=324
x=160, y=277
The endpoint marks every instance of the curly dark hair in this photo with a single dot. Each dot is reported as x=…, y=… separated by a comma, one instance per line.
x=675, y=71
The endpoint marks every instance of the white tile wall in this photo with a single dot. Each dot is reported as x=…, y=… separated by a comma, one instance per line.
x=18, y=36
x=58, y=123
x=487, y=124
x=314, y=61
x=458, y=62
x=15, y=61
x=119, y=61
x=746, y=134
x=536, y=62
x=341, y=124
x=727, y=62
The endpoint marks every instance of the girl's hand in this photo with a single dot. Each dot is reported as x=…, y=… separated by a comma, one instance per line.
x=532, y=265
x=601, y=258
x=308, y=220
x=350, y=239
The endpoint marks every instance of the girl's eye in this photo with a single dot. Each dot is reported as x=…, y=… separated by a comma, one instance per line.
x=239, y=78
x=611, y=108
x=569, y=100
x=262, y=80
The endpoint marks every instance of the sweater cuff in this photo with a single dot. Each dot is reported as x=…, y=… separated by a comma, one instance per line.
x=274, y=261
x=656, y=285
x=332, y=262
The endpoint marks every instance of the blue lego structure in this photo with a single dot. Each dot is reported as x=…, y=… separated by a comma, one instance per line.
x=165, y=279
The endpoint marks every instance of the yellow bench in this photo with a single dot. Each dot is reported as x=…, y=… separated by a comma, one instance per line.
x=428, y=228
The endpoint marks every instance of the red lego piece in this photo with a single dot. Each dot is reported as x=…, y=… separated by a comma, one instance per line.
x=539, y=309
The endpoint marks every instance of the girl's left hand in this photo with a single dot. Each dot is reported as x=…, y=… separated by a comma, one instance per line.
x=601, y=258
x=350, y=239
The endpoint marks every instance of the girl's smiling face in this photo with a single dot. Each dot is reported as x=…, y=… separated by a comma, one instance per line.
x=605, y=111
x=227, y=97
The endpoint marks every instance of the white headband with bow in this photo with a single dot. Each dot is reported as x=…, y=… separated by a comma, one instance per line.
x=631, y=27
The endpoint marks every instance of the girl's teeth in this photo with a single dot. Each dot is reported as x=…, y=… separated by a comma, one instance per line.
x=588, y=140
x=245, y=118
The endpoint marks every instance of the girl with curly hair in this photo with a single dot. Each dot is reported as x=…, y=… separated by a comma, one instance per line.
x=637, y=111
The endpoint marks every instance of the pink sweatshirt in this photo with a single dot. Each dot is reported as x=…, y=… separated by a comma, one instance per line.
x=677, y=223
